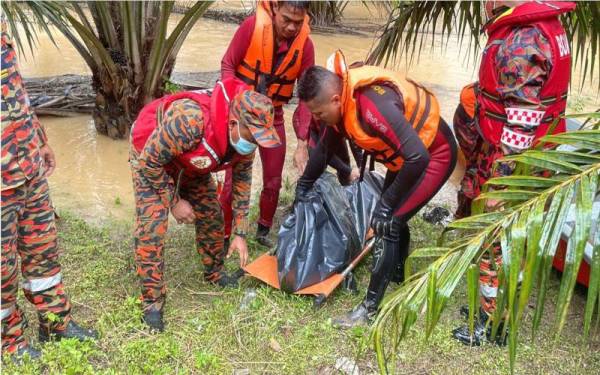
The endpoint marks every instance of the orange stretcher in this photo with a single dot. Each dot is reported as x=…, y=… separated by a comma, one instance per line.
x=264, y=268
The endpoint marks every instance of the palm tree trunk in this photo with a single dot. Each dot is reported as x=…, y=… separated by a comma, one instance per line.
x=109, y=118
x=119, y=101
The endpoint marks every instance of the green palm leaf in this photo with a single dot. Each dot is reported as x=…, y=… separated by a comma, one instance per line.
x=528, y=232
x=125, y=44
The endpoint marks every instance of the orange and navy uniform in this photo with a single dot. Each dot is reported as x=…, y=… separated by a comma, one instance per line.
x=28, y=227
x=523, y=64
x=156, y=191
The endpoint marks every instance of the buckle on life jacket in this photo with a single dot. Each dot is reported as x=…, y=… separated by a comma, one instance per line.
x=372, y=156
x=263, y=81
x=544, y=101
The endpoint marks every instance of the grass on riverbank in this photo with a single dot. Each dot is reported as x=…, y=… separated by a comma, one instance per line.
x=209, y=333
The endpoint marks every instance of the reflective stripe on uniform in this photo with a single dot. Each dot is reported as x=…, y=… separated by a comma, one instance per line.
x=220, y=83
x=211, y=151
x=5, y=313
x=488, y=291
x=38, y=285
x=515, y=139
x=524, y=116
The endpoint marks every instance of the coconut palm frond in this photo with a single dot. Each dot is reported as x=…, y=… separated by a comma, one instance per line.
x=31, y=16
x=165, y=49
x=125, y=44
x=410, y=24
x=326, y=13
x=532, y=209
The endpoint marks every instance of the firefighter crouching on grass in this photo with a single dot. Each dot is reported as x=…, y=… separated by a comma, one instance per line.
x=28, y=226
x=396, y=122
x=176, y=142
x=523, y=82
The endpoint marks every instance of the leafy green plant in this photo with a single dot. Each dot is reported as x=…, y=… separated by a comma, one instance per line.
x=534, y=203
x=124, y=43
x=172, y=87
x=152, y=354
x=69, y=357
x=207, y=361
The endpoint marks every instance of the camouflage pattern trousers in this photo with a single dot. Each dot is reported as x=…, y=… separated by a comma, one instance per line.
x=480, y=158
x=29, y=235
x=151, y=225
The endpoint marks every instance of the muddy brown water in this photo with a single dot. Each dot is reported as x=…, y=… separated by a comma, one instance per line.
x=93, y=178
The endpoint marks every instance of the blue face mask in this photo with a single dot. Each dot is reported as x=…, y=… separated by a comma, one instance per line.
x=243, y=147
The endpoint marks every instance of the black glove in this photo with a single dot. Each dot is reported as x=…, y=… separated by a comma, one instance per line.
x=302, y=191
x=345, y=180
x=382, y=220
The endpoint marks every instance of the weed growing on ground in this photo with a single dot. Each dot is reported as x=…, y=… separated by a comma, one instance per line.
x=209, y=332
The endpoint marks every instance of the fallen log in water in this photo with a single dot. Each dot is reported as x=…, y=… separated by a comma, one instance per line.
x=71, y=95
x=66, y=95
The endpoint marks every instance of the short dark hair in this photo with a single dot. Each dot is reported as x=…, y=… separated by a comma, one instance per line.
x=300, y=5
x=313, y=80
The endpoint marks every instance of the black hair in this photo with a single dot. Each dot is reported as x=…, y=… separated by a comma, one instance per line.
x=300, y=5
x=314, y=79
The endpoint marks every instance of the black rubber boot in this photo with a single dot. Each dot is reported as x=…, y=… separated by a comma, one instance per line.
x=72, y=331
x=403, y=245
x=227, y=281
x=385, y=259
x=262, y=236
x=361, y=315
x=482, y=332
x=154, y=320
x=463, y=335
x=464, y=312
x=24, y=352
x=226, y=242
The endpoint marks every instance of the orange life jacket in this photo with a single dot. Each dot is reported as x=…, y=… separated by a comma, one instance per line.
x=468, y=99
x=421, y=108
x=259, y=70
